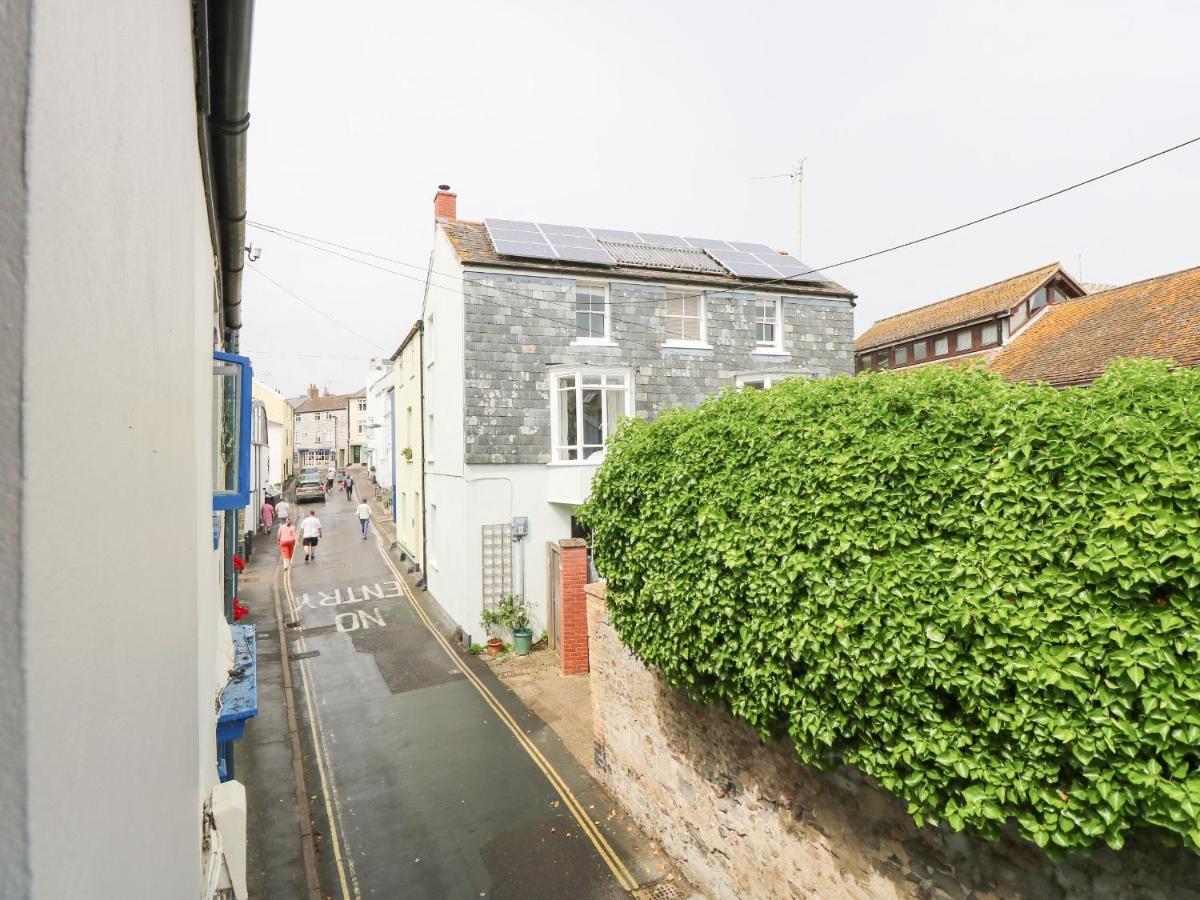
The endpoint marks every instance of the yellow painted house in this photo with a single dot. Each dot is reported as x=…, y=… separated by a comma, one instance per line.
x=281, y=431
x=408, y=509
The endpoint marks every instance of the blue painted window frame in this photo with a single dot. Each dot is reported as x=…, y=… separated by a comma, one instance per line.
x=241, y=497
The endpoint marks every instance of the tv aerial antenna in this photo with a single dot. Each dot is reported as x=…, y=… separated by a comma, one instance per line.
x=797, y=177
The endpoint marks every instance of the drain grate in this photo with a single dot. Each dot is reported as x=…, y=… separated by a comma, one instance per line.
x=664, y=890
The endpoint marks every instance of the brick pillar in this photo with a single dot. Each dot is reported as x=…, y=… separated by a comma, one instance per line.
x=574, y=606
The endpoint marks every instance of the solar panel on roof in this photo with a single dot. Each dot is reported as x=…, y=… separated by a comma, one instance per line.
x=606, y=234
x=663, y=240
x=530, y=237
x=510, y=224
x=657, y=256
x=585, y=254
x=574, y=230
x=514, y=248
x=607, y=246
x=708, y=244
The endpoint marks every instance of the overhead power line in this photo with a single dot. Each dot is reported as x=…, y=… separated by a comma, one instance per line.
x=845, y=262
x=316, y=309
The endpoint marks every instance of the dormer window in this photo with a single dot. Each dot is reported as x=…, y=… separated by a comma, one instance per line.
x=1038, y=300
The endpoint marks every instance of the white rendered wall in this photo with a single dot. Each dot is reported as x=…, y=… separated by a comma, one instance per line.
x=489, y=492
x=410, y=529
x=121, y=592
x=448, y=571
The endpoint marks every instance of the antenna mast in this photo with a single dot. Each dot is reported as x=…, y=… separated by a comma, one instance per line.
x=798, y=175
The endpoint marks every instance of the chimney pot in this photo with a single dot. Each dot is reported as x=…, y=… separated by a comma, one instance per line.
x=445, y=203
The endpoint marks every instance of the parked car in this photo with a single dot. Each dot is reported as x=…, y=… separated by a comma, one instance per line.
x=309, y=488
x=309, y=472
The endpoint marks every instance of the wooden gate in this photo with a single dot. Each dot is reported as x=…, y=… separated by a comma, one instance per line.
x=554, y=593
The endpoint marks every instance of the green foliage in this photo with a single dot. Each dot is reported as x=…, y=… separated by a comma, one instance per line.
x=984, y=595
x=475, y=649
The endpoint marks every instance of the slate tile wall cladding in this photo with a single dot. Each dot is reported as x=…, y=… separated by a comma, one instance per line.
x=745, y=818
x=508, y=352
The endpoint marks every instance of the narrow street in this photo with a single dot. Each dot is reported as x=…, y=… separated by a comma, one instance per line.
x=426, y=776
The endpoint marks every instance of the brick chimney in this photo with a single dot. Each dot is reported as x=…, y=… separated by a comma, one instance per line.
x=312, y=392
x=445, y=203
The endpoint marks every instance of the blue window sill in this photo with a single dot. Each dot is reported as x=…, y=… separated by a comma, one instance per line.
x=239, y=699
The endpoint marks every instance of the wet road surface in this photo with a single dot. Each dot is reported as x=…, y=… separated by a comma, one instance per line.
x=427, y=777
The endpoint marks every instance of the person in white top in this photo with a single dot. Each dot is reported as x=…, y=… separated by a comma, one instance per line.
x=283, y=511
x=364, y=517
x=310, y=533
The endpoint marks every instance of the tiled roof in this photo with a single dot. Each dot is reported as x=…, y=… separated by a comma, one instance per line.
x=1074, y=340
x=984, y=301
x=471, y=243
x=324, y=404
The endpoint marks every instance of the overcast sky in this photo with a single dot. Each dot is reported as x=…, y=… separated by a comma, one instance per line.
x=656, y=115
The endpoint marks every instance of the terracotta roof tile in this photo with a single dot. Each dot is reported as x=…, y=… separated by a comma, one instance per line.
x=947, y=313
x=1074, y=340
x=472, y=244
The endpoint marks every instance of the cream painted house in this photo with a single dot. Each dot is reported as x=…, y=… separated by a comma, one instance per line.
x=281, y=430
x=408, y=508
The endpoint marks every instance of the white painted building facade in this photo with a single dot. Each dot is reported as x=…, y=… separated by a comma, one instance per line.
x=379, y=422
x=113, y=648
x=529, y=364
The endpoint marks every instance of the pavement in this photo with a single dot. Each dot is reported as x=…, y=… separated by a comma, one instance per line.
x=425, y=775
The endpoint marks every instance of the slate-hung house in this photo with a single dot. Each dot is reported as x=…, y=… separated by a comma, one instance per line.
x=974, y=325
x=538, y=339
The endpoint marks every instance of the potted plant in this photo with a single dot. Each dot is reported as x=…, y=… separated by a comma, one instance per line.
x=491, y=621
x=515, y=616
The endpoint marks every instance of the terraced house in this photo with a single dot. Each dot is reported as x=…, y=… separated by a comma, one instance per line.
x=1044, y=326
x=974, y=325
x=538, y=339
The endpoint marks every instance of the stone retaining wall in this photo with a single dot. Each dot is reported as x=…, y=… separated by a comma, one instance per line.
x=747, y=819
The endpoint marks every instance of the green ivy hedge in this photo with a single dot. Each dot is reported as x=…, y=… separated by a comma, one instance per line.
x=984, y=595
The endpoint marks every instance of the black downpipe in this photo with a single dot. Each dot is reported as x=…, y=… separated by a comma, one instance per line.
x=229, y=24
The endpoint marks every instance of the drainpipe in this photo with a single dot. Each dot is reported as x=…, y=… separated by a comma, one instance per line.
x=229, y=29
x=421, y=431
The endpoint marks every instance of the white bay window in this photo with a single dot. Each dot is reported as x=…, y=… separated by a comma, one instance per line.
x=586, y=407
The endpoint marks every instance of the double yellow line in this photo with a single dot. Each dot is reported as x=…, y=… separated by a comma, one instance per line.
x=607, y=853
x=349, y=885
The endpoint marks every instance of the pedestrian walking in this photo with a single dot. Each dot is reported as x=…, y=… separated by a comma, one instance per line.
x=310, y=533
x=268, y=516
x=283, y=511
x=364, y=517
x=329, y=476
x=349, y=483
x=287, y=542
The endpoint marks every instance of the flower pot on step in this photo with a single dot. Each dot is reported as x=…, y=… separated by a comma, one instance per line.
x=493, y=646
x=523, y=641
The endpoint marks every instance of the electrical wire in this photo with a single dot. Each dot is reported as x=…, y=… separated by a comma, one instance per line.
x=316, y=309
x=845, y=262
x=566, y=305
